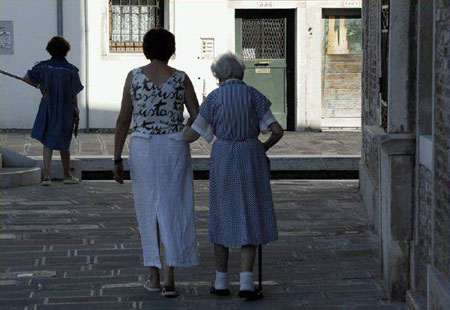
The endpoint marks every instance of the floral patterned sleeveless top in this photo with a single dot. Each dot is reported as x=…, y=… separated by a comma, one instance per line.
x=157, y=110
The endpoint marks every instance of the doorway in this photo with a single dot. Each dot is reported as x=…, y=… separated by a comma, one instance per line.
x=342, y=66
x=265, y=40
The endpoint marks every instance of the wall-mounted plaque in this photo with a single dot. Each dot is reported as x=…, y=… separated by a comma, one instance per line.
x=6, y=38
x=207, y=48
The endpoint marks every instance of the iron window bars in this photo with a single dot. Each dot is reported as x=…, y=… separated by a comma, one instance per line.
x=263, y=38
x=129, y=20
x=384, y=63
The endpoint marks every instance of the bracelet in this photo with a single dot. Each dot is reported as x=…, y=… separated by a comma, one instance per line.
x=118, y=161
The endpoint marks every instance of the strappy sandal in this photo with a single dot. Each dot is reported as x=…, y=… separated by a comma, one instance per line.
x=169, y=293
x=46, y=182
x=71, y=180
x=250, y=295
x=224, y=292
x=150, y=288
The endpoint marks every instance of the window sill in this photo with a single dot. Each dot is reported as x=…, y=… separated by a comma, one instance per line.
x=120, y=56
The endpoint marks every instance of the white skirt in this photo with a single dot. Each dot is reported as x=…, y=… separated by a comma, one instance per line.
x=161, y=176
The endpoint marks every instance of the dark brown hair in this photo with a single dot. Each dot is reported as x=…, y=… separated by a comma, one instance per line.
x=58, y=47
x=159, y=44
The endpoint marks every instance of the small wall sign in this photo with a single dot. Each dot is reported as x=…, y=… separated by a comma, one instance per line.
x=351, y=4
x=207, y=48
x=264, y=4
x=262, y=70
x=6, y=38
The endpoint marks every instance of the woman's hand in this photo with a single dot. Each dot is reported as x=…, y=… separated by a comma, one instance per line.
x=118, y=173
x=43, y=91
x=190, y=135
x=275, y=136
x=76, y=118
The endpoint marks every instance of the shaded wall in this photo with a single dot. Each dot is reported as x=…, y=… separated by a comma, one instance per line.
x=426, y=121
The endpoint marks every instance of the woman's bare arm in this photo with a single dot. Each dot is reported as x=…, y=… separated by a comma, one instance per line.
x=275, y=136
x=191, y=99
x=27, y=80
x=192, y=106
x=124, y=119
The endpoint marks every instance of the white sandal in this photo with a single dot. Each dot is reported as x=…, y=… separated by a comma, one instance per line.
x=149, y=288
x=46, y=182
x=169, y=294
x=71, y=180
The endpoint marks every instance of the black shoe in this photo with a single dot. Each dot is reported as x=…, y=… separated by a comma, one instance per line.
x=224, y=292
x=250, y=295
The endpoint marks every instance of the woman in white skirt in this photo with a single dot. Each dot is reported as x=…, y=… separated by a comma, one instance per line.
x=154, y=97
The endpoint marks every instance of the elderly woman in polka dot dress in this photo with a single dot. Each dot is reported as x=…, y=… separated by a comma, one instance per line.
x=240, y=198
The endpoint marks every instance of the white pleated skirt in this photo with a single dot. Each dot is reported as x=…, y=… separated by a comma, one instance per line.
x=161, y=177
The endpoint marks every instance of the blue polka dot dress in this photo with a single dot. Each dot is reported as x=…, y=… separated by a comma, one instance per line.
x=240, y=198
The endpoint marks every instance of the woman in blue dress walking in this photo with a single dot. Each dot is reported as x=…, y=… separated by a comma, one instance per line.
x=60, y=84
x=240, y=199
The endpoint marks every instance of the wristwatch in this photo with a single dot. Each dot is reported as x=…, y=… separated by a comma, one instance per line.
x=117, y=161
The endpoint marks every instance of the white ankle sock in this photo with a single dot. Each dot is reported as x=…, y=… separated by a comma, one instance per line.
x=221, y=281
x=246, y=278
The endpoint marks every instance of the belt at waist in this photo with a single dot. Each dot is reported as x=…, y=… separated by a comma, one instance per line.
x=241, y=140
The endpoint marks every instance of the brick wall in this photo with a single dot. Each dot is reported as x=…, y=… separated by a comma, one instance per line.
x=424, y=229
x=441, y=137
x=370, y=86
x=371, y=66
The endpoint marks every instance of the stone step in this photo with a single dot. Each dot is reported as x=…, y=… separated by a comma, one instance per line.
x=14, y=177
x=201, y=163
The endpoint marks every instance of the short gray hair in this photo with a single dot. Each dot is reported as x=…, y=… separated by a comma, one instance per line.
x=228, y=66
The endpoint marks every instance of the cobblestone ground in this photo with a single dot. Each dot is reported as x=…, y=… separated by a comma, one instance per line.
x=77, y=247
x=307, y=143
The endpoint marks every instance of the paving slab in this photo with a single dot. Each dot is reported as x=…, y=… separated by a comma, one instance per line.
x=78, y=248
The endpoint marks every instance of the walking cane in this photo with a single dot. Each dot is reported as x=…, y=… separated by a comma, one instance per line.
x=13, y=76
x=260, y=271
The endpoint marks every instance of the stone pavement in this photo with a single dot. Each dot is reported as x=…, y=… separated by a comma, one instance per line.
x=77, y=247
x=102, y=144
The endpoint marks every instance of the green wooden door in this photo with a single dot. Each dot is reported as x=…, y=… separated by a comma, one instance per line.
x=261, y=42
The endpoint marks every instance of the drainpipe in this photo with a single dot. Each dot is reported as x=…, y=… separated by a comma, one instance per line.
x=59, y=17
x=86, y=69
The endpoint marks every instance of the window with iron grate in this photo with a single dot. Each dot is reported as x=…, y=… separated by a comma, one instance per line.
x=385, y=20
x=129, y=20
x=263, y=38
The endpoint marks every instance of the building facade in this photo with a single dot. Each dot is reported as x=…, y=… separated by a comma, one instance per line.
x=304, y=55
x=404, y=170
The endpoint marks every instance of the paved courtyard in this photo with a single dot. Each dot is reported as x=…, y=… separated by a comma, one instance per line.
x=102, y=144
x=77, y=247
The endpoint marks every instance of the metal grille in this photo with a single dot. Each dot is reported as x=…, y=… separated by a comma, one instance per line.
x=263, y=38
x=130, y=20
x=384, y=62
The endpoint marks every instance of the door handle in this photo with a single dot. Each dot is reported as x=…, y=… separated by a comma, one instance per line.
x=262, y=64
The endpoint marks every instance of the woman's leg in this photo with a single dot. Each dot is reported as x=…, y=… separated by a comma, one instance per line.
x=65, y=160
x=47, y=154
x=169, y=272
x=169, y=277
x=221, y=255
x=154, y=277
x=248, y=255
x=221, y=282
